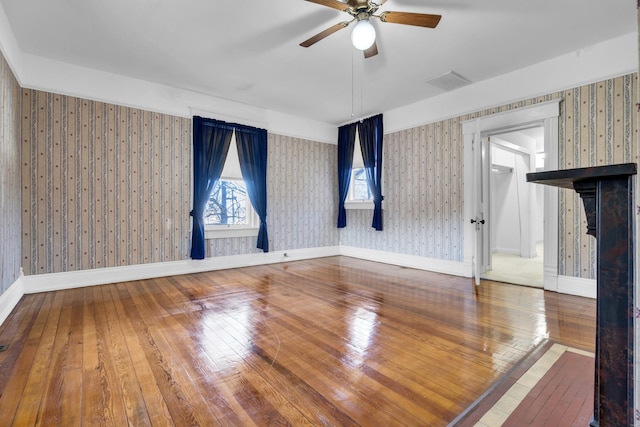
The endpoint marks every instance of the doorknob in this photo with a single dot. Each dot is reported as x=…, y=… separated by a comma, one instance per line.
x=473, y=221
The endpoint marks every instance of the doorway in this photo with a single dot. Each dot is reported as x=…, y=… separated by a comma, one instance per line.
x=515, y=209
x=477, y=243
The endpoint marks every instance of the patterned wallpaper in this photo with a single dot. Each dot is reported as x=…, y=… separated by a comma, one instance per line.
x=103, y=185
x=108, y=186
x=301, y=208
x=597, y=127
x=303, y=176
x=423, y=195
x=422, y=176
x=9, y=177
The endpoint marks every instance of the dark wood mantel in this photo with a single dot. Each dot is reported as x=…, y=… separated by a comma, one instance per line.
x=607, y=194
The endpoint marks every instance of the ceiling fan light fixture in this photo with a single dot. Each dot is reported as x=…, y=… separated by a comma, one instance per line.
x=363, y=35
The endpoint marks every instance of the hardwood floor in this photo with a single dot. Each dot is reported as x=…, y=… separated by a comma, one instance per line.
x=332, y=341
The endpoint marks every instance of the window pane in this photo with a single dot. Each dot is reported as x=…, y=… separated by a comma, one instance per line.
x=360, y=186
x=227, y=204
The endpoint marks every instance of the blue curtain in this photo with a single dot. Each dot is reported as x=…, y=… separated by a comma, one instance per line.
x=252, y=154
x=211, y=139
x=346, y=138
x=370, y=131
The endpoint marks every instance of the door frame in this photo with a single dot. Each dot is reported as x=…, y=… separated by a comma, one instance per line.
x=545, y=114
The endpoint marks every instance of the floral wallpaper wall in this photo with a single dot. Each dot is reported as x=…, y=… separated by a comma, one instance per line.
x=301, y=207
x=302, y=179
x=108, y=186
x=597, y=127
x=103, y=185
x=423, y=195
x=423, y=166
x=9, y=178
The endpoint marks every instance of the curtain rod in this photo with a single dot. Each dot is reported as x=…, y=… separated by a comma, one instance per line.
x=226, y=118
x=360, y=119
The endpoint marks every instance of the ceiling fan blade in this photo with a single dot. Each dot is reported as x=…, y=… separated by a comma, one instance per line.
x=408, y=18
x=332, y=3
x=372, y=51
x=315, y=39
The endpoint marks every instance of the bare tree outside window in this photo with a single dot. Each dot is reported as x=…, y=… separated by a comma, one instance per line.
x=360, y=187
x=227, y=204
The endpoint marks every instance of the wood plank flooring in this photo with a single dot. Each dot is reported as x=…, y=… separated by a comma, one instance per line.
x=333, y=341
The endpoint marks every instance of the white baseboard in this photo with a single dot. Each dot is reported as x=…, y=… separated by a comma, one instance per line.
x=509, y=251
x=103, y=276
x=412, y=261
x=577, y=286
x=10, y=298
x=551, y=279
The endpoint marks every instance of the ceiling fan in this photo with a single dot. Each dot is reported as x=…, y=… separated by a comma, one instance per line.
x=363, y=36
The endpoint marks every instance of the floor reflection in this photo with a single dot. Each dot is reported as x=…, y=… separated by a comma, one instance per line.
x=362, y=330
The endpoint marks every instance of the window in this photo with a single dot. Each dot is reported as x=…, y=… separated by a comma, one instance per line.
x=359, y=188
x=360, y=196
x=229, y=212
x=227, y=204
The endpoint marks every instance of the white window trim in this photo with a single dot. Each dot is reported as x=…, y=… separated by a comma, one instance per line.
x=357, y=163
x=221, y=231
x=231, y=172
x=359, y=204
x=225, y=231
x=352, y=203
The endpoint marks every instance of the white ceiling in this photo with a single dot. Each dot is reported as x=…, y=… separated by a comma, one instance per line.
x=248, y=51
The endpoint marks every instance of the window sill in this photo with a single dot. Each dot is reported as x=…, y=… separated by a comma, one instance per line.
x=359, y=204
x=213, y=232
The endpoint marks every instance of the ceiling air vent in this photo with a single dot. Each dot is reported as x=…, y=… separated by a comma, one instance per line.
x=448, y=81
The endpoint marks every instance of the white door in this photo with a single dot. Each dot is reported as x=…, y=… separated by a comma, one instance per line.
x=481, y=204
x=545, y=114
